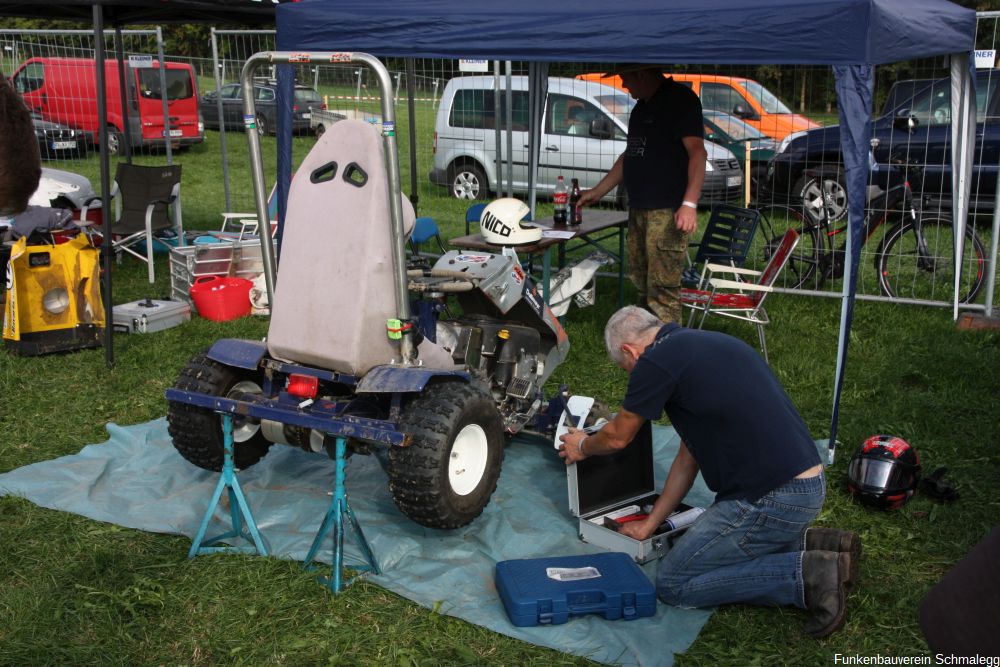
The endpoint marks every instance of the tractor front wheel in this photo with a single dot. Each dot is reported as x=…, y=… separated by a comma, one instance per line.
x=448, y=473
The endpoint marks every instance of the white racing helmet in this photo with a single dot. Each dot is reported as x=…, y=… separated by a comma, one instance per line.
x=501, y=223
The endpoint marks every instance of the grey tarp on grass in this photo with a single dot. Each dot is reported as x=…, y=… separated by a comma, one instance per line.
x=138, y=480
x=852, y=35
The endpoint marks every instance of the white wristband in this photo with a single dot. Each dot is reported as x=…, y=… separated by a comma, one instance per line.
x=689, y=204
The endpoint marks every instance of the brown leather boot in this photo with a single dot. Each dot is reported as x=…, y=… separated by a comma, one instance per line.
x=843, y=541
x=824, y=574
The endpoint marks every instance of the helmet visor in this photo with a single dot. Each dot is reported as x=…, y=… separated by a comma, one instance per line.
x=879, y=474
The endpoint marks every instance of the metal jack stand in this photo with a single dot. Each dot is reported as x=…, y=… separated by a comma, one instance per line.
x=237, y=505
x=335, y=516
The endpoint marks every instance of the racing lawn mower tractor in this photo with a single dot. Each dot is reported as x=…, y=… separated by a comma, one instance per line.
x=359, y=346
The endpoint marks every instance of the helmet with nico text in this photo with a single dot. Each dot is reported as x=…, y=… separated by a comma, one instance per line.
x=502, y=223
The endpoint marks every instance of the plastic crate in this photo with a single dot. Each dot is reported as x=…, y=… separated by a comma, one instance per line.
x=228, y=257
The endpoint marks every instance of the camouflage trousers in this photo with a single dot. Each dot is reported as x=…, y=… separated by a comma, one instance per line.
x=657, y=253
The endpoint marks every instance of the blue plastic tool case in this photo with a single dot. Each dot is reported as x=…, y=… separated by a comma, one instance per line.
x=532, y=597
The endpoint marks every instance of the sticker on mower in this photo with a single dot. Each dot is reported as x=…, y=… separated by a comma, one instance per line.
x=472, y=259
x=517, y=274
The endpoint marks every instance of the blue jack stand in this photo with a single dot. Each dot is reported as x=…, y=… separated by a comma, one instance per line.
x=237, y=505
x=335, y=516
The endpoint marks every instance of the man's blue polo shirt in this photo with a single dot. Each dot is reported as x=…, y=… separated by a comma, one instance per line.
x=728, y=407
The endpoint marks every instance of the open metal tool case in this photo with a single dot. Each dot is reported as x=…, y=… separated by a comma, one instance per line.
x=610, y=487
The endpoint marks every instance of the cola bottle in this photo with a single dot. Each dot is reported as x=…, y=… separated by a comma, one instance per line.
x=575, y=210
x=560, y=197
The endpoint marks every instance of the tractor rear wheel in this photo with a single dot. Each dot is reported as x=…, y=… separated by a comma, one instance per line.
x=448, y=473
x=197, y=432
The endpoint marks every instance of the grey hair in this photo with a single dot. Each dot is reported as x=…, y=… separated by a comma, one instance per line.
x=629, y=325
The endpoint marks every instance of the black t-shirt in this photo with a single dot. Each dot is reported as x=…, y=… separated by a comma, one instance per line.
x=728, y=407
x=656, y=161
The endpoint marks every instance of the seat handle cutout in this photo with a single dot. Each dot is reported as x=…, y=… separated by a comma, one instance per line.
x=324, y=173
x=355, y=175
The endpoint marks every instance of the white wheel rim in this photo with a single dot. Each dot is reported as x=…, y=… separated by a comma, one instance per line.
x=466, y=185
x=467, y=460
x=245, y=428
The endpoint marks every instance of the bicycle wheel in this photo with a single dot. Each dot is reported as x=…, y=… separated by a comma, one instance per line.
x=906, y=270
x=802, y=269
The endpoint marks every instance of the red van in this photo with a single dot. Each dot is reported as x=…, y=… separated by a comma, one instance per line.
x=64, y=90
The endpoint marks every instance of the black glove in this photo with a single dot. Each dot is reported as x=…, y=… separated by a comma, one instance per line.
x=938, y=489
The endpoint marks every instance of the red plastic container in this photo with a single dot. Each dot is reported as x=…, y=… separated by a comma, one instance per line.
x=221, y=299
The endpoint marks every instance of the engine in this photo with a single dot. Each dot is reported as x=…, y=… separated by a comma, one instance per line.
x=506, y=336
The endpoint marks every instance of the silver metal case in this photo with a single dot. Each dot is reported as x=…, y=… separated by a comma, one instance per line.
x=150, y=315
x=618, y=485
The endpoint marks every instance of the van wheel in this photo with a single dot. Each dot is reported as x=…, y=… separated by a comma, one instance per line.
x=114, y=140
x=468, y=182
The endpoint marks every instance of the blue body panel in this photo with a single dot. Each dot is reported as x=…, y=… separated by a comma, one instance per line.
x=238, y=353
x=401, y=379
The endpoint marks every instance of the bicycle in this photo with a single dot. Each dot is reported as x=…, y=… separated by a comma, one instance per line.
x=915, y=259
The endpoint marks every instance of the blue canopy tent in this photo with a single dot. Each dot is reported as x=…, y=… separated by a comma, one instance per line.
x=853, y=36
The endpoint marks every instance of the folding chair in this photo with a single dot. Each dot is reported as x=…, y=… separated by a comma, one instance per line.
x=147, y=200
x=739, y=298
x=241, y=225
x=425, y=229
x=472, y=215
x=726, y=240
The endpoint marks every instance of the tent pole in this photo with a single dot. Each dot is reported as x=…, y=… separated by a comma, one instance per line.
x=963, y=128
x=102, y=133
x=412, y=126
x=126, y=143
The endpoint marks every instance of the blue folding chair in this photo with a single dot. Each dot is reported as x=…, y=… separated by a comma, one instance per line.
x=425, y=229
x=727, y=239
x=473, y=214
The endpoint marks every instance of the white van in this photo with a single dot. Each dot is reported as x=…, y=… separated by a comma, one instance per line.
x=583, y=133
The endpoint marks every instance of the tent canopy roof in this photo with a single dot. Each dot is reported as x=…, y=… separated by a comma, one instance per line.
x=834, y=32
x=247, y=12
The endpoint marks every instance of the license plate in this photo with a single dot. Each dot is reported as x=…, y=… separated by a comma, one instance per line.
x=307, y=116
x=176, y=133
x=733, y=180
x=61, y=145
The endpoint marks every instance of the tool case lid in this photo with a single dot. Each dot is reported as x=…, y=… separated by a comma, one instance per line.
x=605, y=482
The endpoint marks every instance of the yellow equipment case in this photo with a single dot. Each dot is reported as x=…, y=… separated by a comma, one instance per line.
x=53, y=298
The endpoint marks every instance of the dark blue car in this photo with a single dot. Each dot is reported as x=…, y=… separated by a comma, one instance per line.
x=928, y=142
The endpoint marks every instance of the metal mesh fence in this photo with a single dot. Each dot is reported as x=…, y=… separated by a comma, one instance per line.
x=771, y=130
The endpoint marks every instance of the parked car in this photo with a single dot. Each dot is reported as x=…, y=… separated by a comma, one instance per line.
x=265, y=102
x=918, y=127
x=743, y=98
x=583, y=132
x=64, y=189
x=57, y=141
x=61, y=90
x=734, y=134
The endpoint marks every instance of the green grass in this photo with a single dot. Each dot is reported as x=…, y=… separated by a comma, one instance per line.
x=75, y=591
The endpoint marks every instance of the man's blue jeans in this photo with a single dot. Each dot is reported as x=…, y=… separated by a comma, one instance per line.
x=742, y=551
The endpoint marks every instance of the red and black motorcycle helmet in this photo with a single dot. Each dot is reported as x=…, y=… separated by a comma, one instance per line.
x=884, y=472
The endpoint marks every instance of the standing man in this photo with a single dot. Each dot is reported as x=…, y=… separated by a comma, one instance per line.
x=740, y=429
x=663, y=168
